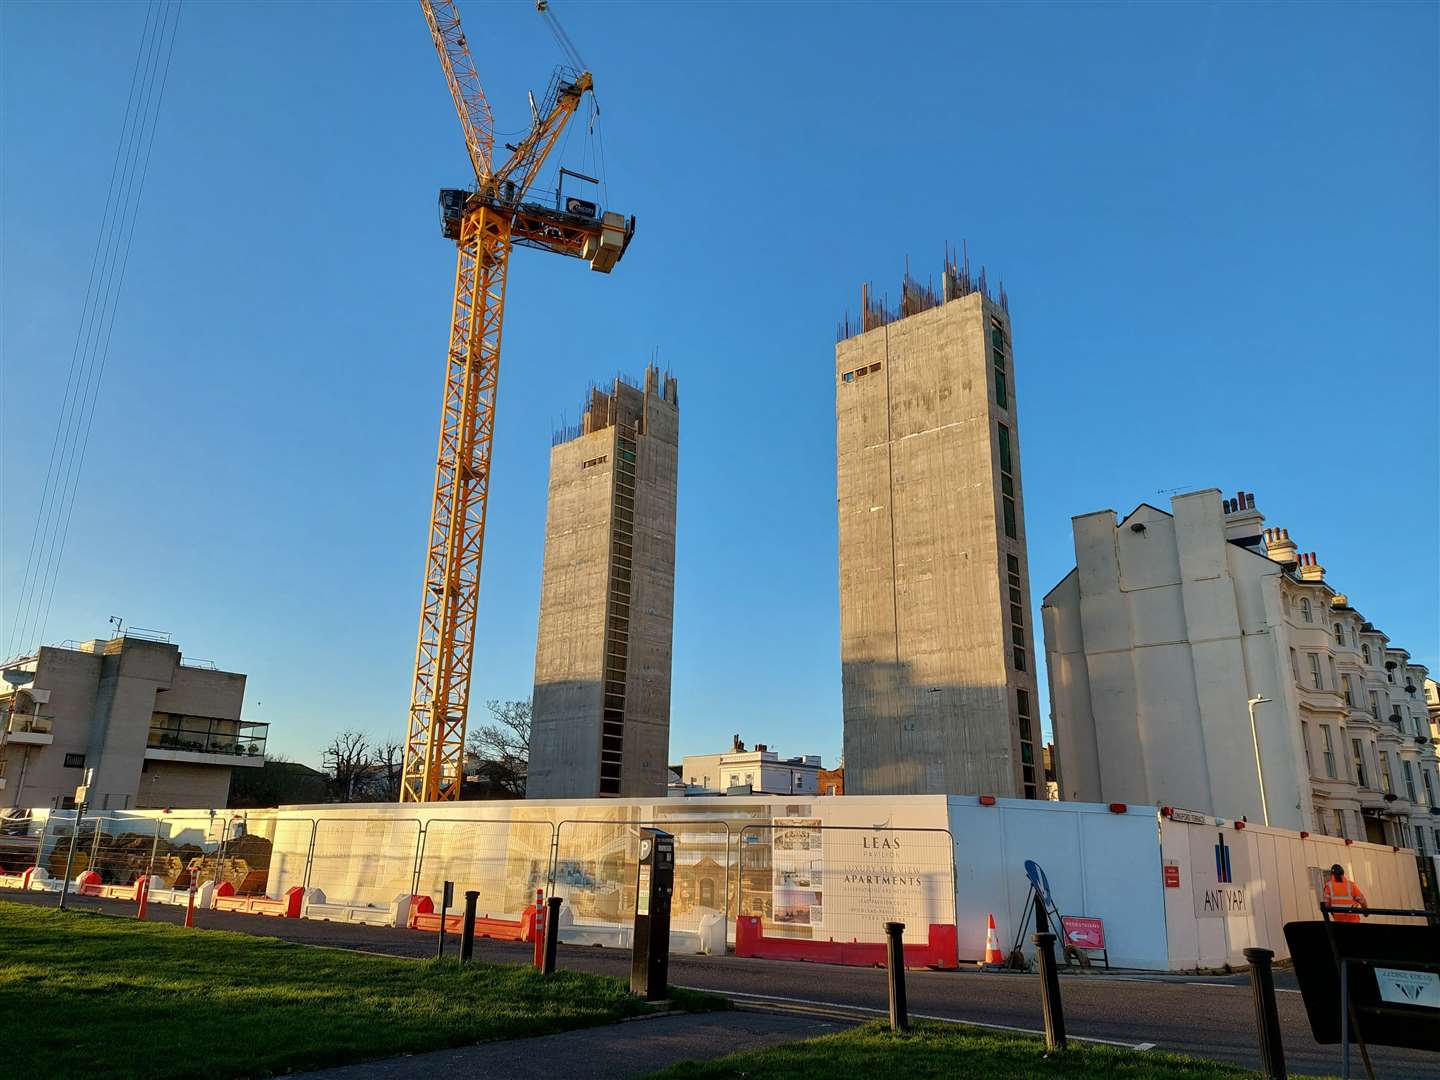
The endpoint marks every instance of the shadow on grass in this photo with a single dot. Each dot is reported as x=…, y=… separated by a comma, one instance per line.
x=103, y=997
x=949, y=1051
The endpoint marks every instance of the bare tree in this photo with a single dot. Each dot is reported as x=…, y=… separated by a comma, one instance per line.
x=382, y=783
x=499, y=752
x=347, y=759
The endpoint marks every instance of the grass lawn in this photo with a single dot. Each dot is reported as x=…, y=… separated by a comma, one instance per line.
x=101, y=997
x=950, y=1051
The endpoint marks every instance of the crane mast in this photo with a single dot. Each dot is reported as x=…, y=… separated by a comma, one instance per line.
x=485, y=223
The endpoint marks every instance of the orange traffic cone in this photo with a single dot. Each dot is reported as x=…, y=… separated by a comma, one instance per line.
x=993, y=957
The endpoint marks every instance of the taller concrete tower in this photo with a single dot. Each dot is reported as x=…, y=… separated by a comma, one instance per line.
x=935, y=639
x=602, y=660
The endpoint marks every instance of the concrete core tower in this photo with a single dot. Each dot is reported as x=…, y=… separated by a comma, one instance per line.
x=601, y=721
x=935, y=639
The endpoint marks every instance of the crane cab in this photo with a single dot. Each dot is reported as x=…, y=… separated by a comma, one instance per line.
x=452, y=209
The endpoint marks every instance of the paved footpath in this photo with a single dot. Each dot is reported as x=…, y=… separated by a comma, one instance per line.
x=1207, y=1016
x=631, y=1049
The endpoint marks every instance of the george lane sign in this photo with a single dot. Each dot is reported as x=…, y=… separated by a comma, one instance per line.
x=1405, y=987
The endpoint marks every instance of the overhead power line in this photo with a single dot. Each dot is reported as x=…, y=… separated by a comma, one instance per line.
x=97, y=323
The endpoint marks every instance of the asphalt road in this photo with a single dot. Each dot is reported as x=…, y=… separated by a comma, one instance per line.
x=1207, y=1016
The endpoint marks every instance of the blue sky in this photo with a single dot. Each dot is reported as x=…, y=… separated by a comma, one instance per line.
x=1216, y=223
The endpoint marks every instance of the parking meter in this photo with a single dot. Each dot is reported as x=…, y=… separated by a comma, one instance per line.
x=655, y=885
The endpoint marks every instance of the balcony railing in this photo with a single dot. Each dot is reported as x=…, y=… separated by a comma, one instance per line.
x=29, y=724
x=199, y=736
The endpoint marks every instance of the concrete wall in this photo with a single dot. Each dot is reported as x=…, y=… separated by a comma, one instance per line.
x=120, y=729
x=179, y=783
x=929, y=686
x=570, y=644
x=37, y=775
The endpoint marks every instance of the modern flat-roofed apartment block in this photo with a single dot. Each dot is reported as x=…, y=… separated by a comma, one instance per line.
x=156, y=729
x=936, y=642
x=601, y=723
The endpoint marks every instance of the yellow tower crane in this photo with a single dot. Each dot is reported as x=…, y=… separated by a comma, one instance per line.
x=485, y=224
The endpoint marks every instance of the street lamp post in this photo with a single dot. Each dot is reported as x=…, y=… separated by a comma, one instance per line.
x=1258, y=699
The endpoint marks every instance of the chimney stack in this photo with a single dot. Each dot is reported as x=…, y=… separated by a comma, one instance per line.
x=1310, y=568
x=1242, y=520
x=1280, y=548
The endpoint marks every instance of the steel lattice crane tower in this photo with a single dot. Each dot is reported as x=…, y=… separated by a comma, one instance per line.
x=485, y=224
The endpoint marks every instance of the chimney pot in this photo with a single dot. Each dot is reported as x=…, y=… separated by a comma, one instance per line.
x=1250, y=501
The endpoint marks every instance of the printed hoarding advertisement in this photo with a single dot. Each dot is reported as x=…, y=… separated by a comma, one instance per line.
x=798, y=872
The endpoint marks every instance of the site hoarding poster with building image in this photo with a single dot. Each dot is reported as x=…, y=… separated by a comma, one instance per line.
x=797, y=868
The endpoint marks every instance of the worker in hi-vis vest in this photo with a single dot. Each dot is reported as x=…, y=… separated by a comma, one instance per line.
x=1341, y=892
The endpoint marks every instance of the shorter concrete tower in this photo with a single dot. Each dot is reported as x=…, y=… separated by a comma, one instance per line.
x=607, y=597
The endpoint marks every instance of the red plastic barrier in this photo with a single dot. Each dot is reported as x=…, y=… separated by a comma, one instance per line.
x=88, y=884
x=287, y=908
x=424, y=917
x=940, y=951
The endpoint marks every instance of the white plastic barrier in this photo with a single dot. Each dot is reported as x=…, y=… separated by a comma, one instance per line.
x=315, y=906
x=204, y=892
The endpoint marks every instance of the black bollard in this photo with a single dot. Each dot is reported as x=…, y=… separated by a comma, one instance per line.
x=552, y=935
x=895, y=969
x=447, y=897
x=1050, y=1004
x=1267, y=1016
x=467, y=931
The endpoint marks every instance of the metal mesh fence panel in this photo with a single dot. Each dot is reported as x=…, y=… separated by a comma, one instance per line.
x=25, y=837
x=280, y=846
x=595, y=867
x=594, y=871
x=364, y=862
x=807, y=880
x=504, y=861
x=185, y=850
x=703, y=881
x=119, y=848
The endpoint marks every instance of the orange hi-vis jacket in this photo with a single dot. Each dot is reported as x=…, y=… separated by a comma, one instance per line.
x=1343, y=894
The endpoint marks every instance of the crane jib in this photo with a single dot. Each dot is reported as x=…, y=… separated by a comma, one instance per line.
x=485, y=224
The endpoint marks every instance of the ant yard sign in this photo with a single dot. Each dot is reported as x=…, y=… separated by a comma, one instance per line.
x=1220, y=877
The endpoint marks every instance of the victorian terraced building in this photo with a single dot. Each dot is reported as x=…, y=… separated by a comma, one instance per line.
x=1176, y=628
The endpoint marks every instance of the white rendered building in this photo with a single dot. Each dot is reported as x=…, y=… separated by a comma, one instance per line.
x=760, y=771
x=1166, y=633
